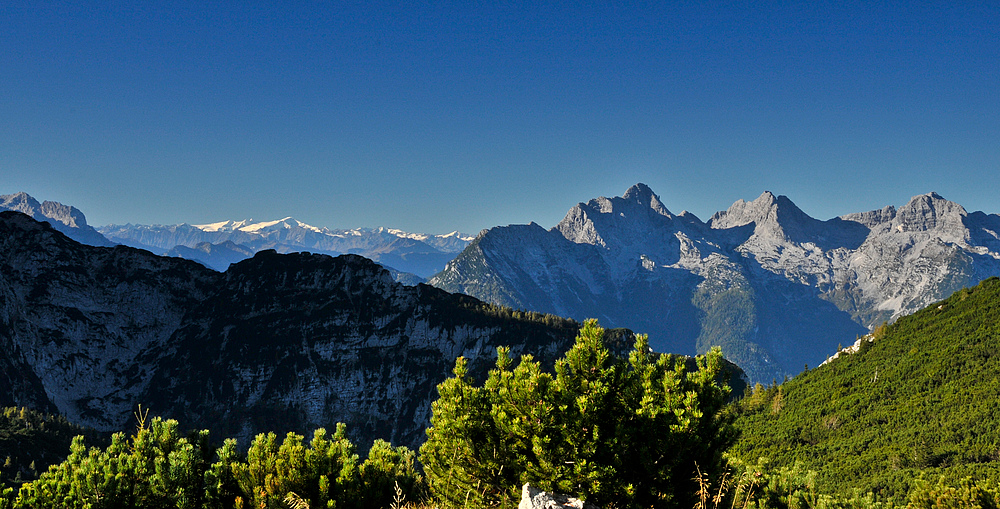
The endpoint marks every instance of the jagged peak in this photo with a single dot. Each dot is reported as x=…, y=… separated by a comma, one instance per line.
x=929, y=211
x=21, y=202
x=642, y=194
x=928, y=198
x=689, y=217
x=52, y=211
x=66, y=214
x=872, y=218
x=638, y=191
x=765, y=207
x=19, y=196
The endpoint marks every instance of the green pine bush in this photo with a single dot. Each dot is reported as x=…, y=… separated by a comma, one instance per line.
x=158, y=467
x=633, y=431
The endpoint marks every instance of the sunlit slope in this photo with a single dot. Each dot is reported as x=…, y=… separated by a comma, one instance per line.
x=924, y=396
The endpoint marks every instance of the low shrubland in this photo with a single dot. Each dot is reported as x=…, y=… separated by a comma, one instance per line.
x=642, y=430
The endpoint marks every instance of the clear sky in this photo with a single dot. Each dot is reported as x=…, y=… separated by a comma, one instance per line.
x=435, y=116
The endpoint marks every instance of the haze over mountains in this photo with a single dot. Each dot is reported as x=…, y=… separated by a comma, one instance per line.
x=218, y=244
x=410, y=257
x=775, y=288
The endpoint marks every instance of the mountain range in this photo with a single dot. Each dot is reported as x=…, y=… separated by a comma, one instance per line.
x=277, y=342
x=776, y=289
x=410, y=257
x=219, y=244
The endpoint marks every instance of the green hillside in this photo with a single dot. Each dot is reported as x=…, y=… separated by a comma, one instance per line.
x=30, y=441
x=922, y=399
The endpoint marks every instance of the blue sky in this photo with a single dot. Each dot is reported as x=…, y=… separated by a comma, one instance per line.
x=435, y=116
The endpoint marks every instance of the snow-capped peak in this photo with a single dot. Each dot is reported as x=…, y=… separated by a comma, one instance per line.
x=250, y=226
x=223, y=226
x=281, y=224
x=426, y=236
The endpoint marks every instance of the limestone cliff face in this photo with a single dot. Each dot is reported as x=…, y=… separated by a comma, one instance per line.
x=275, y=343
x=775, y=288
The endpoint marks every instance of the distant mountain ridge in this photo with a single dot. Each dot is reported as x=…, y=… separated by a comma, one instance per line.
x=416, y=253
x=775, y=288
x=69, y=220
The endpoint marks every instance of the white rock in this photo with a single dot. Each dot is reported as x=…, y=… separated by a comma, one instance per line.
x=532, y=498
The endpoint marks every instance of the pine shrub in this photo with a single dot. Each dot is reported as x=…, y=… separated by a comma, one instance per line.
x=630, y=431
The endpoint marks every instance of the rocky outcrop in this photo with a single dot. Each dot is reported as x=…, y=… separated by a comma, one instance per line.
x=775, y=288
x=532, y=498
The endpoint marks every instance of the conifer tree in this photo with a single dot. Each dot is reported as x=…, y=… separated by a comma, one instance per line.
x=633, y=431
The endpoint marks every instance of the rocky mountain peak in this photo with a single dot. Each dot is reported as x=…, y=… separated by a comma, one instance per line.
x=23, y=203
x=68, y=220
x=644, y=196
x=770, y=284
x=635, y=213
x=47, y=211
x=929, y=212
x=65, y=214
x=872, y=218
x=766, y=210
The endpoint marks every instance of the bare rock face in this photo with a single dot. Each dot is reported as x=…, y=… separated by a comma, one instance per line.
x=532, y=498
x=775, y=288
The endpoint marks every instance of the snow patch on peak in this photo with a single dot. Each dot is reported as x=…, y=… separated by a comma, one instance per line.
x=223, y=226
x=251, y=226
x=457, y=235
x=281, y=224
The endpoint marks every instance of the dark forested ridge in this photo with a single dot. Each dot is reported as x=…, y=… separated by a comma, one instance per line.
x=30, y=441
x=920, y=398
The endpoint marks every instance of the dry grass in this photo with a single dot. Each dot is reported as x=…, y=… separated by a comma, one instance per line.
x=734, y=490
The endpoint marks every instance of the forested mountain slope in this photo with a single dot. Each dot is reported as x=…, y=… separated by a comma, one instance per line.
x=920, y=395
